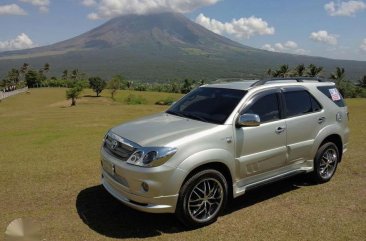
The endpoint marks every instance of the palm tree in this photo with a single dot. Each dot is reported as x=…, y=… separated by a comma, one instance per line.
x=75, y=74
x=269, y=72
x=23, y=70
x=300, y=70
x=14, y=76
x=313, y=70
x=46, y=67
x=65, y=74
x=339, y=75
x=362, y=82
x=129, y=84
x=283, y=71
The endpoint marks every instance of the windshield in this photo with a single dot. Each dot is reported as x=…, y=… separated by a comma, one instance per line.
x=208, y=104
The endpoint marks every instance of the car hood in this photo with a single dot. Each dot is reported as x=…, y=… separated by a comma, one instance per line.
x=160, y=129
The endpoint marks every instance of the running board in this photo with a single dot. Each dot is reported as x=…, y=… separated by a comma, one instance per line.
x=238, y=191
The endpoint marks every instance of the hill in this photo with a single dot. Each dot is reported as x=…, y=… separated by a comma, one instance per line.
x=159, y=47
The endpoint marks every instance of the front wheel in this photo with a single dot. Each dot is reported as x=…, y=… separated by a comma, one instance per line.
x=202, y=198
x=325, y=162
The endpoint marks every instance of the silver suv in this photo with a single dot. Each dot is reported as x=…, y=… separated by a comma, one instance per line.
x=221, y=140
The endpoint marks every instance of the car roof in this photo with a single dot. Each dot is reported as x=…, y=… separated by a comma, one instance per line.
x=238, y=85
x=241, y=84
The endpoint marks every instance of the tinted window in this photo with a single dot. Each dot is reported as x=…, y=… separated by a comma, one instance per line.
x=333, y=94
x=208, y=104
x=297, y=103
x=315, y=104
x=266, y=107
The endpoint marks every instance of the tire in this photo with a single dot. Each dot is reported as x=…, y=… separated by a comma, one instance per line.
x=202, y=199
x=325, y=162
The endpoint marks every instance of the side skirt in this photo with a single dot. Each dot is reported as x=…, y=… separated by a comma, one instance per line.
x=241, y=186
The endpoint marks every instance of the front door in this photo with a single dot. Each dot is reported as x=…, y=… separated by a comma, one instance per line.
x=262, y=148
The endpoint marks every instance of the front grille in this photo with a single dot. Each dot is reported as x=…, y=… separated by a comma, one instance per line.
x=118, y=147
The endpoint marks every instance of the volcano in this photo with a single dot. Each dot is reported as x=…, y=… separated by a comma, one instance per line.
x=161, y=46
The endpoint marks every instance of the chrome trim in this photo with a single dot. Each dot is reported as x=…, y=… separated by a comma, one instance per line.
x=205, y=200
x=248, y=120
x=119, y=147
x=130, y=144
x=328, y=163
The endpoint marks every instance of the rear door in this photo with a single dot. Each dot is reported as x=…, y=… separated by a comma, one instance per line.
x=262, y=148
x=305, y=117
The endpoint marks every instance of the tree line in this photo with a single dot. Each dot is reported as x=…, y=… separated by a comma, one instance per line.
x=347, y=88
x=76, y=81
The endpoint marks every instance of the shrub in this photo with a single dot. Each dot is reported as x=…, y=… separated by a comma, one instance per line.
x=74, y=93
x=166, y=101
x=140, y=87
x=135, y=100
x=97, y=84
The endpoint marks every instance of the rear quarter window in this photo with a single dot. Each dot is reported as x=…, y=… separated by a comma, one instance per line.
x=333, y=94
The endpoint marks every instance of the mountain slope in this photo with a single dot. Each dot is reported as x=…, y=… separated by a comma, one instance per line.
x=159, y=47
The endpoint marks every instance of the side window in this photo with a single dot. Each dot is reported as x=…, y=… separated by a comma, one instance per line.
x=266, y=107
x=299, y=103
x=315, y=104
x=333, y=94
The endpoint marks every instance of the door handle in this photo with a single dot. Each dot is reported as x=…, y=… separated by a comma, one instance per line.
x=321, y=120
x=280, y=129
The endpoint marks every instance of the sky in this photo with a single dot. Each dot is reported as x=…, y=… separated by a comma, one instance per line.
x=327, y=28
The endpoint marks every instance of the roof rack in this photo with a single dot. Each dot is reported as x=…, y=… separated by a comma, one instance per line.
x=297, y=79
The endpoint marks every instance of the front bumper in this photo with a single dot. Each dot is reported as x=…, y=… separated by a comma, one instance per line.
x=124, y=182
x=162, y=204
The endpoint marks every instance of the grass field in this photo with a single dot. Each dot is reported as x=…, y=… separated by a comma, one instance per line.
x=49, y=172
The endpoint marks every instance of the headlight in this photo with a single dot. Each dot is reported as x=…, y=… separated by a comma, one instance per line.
x=151, y=156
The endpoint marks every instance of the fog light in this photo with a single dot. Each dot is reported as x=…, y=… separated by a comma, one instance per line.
x=145, y=186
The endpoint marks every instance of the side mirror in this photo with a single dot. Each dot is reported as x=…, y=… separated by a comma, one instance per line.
x=248, y=120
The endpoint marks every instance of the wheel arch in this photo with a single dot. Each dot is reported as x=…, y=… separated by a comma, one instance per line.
x=221, y=160
x=337, y=140
x=217, y=166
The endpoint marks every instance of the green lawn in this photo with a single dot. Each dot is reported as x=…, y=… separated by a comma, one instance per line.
x=49, y=172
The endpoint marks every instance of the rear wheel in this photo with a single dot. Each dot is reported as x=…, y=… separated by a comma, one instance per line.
x=325, y=162
x=202, y=198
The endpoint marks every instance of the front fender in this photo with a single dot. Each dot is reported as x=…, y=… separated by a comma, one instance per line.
x=209, y=156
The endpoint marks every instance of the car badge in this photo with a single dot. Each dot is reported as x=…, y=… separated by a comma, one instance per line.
x=114, y=144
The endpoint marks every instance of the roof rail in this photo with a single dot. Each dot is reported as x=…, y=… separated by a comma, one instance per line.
x=297, y=79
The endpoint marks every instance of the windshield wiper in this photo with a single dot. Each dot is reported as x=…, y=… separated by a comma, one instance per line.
x=194, y=116
x=187, y=115
x=175, y=113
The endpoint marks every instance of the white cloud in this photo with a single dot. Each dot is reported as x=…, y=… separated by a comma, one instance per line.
x=22, y=41
x=242, y=28
x=287, y=47
x=268, y=47
x=43, y=5
x=11, y=9
x=323, y=36
x=113, y=8
x=363, y=45
x=93, y=16
x=344, y=8
x=89, y=3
